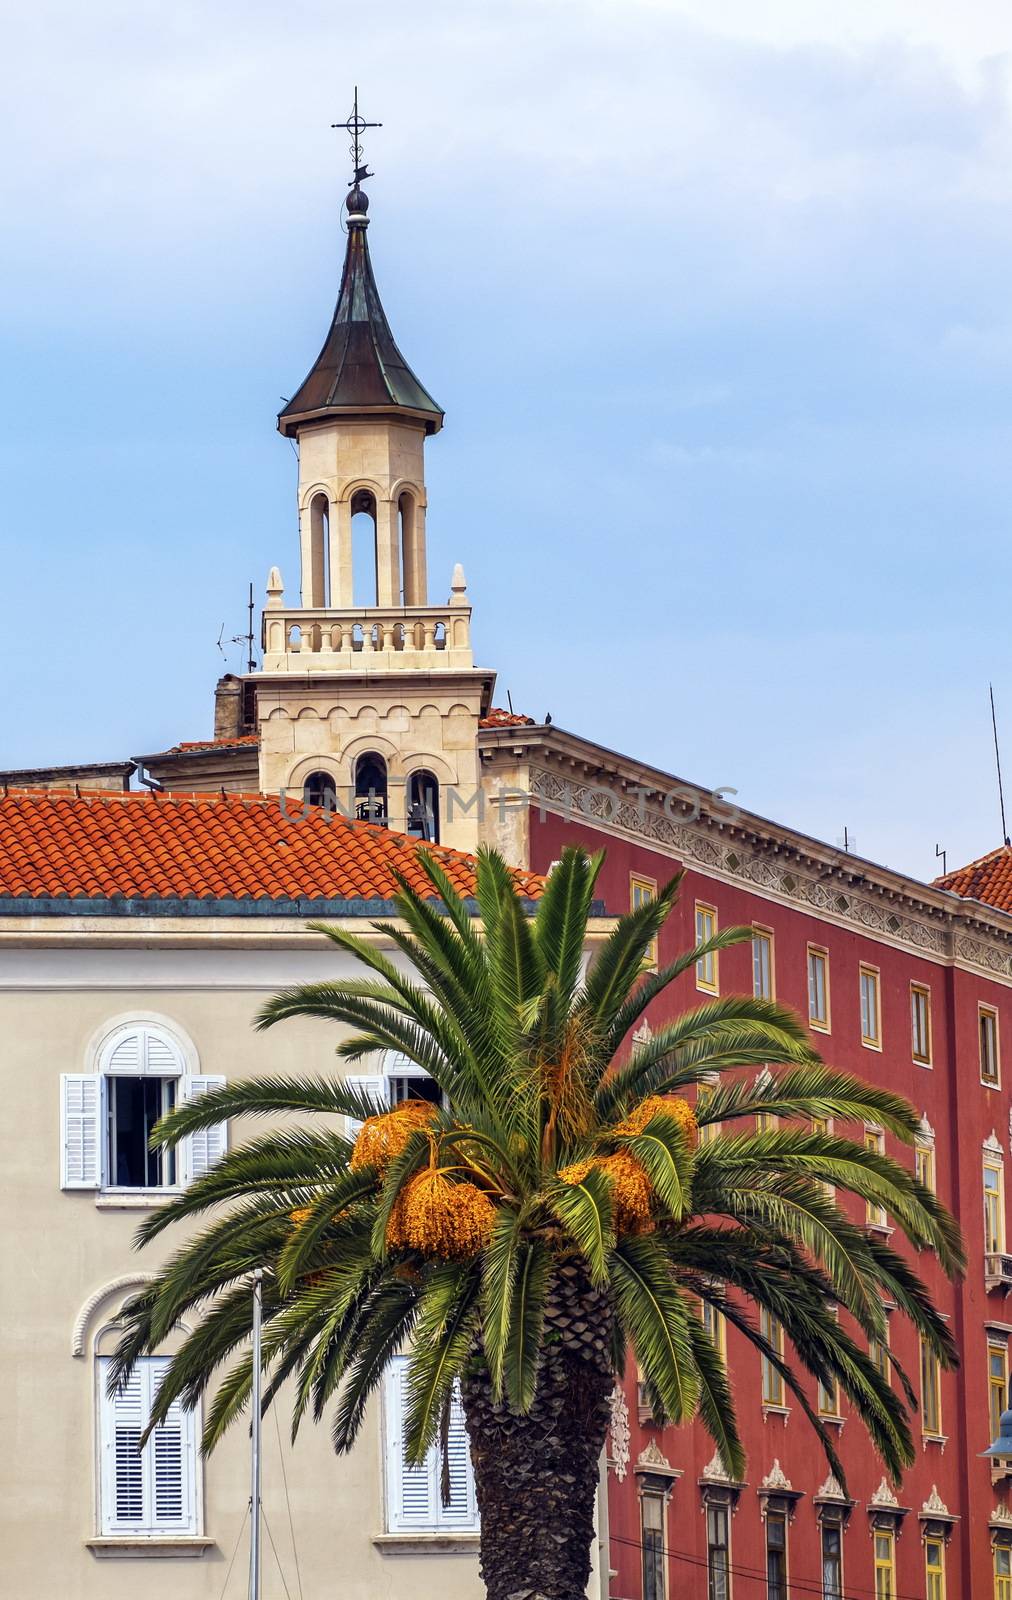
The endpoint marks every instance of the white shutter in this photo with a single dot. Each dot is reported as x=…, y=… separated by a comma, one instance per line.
x=80, y=1123
x=127, y=1054
x=161, y=1056
x=414, y=1500
x=122, y=1461
x=199, y=1151
x=411, y=1491
x=375, y=1086
x=172, y=1463
x=462, y=1510
x=150, y=1491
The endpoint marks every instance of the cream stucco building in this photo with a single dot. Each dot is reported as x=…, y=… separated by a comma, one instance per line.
x=140, y=932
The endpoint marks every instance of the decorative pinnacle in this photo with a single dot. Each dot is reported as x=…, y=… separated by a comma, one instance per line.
x=357, y=201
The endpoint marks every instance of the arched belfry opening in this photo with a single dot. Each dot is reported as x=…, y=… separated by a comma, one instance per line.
x=320, y=789
x=364, y=549
x=319, y=551
x=411, y=530
x=423, y=806
x=371, y=788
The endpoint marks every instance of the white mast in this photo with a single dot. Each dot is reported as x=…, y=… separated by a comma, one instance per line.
x=254, y=1541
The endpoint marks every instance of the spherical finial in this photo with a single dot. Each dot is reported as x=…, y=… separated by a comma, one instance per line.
x=357, y=202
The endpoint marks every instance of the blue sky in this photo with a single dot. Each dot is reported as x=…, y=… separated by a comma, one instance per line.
x=716, y=297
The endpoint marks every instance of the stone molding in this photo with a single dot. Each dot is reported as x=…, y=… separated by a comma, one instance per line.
x=619, y=1429
x=701, y=845
x=131, y=1280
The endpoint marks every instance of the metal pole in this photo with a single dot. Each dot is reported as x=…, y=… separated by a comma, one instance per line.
x=254, y=1537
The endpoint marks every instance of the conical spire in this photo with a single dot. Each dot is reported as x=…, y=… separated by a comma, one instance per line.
x=360, y=368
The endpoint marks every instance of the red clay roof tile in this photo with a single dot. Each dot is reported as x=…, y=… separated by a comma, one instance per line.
x=498, y=718
x=989, y=879
x=97, y=844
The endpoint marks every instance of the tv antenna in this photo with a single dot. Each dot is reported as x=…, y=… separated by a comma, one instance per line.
x=943, y=853
x=246, y=638
x=997, y=762
x=847, y=840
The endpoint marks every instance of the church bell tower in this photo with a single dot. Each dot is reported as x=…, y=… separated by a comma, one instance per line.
x=368, y=699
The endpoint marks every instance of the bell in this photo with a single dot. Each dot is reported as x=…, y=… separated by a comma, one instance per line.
x=1001, y=1449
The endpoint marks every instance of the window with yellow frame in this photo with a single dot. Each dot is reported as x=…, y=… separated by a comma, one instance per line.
x=997, y=1383
x=931, y=1393
x=716, y=1327
x=924, y=1163
x=878, y=1353
x=708, y=1131
x=934, y=1568
x=762, y=964
x=643, y=892
x=920, y=1023
x=987, y=1027
x=871, y=1007
x=707, y=973
x=875, y=1215
x=885, y=1564
x=1002, y=1572
x=994, y=1208
x=818, y=988
x=772, y=1380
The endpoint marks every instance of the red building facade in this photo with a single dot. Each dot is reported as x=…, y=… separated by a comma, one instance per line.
x=909, y=985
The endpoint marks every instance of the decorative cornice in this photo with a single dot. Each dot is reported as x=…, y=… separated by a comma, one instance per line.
x=992, y=1145
x=934, y=1508
x=770, y=861
x=651, y=1461
x=715, y=1471
x=131, y=1280
x=1001, y=1517
x=619, y=1428
x=832, y=1489
x=777, y=1480
x=925, y=1132
x=884, y=1499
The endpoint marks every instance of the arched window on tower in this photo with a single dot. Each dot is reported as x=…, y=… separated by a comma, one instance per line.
x=409, y=556
x=364, y=563
x=320, y=789
x=319, y=534
x=423, y=806
x=371, y=788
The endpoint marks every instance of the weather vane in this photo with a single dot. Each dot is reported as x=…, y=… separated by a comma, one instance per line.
x=356, y=126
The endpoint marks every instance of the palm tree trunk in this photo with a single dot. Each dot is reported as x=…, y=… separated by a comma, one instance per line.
x=537, y=1475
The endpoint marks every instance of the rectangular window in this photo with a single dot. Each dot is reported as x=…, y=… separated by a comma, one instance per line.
x=1002, y=1573
x=997, y=1385
x=821, y=1125
x=885, y=1565
x=776, y=1556
x=762, y=964
x=875, y=1215
x=994, y=1208
x=878, y=1351
x=413, y=1493
x=708, y=1131
x=832, y=1561
x=718, y=1553
x=149, y=1490
x=931, y=1392
x=871, y=1009
x=920, y=1023
x=772, y=1380
x=652, y=1540
x=716, y=1327
x=818, y=988
x=934, y=1569
x=706, y=966
x=924, y=1164
x=107, y=1120
x=643, y=892
x=990, y=1069
x=829, y=1399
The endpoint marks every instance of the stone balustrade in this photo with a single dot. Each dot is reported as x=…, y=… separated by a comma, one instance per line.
x=370, y=639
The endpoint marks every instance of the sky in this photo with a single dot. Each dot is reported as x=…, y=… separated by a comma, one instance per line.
x=715, y=295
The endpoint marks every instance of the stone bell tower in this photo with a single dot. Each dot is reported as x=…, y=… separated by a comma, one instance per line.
x=368, y=699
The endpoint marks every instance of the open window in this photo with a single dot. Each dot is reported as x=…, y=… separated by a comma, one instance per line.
x=108, y=1115
x=320, y=789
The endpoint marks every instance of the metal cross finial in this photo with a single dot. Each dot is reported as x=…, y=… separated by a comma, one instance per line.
x=356, y=126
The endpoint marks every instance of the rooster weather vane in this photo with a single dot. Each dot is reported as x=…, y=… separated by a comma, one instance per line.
x=356, y=126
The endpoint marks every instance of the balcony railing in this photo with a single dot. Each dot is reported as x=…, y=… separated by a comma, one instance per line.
x=997, y=1271
x=375, y=639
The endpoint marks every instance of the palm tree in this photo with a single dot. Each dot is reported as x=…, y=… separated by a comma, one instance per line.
x=557, y=1206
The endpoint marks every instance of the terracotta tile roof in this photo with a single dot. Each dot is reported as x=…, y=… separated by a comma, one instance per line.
x=989, y=879
x=214, y=744
x=98, y=844
x=498, y=718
